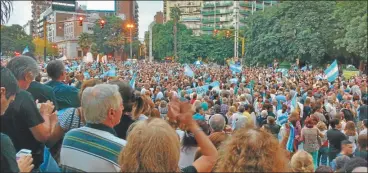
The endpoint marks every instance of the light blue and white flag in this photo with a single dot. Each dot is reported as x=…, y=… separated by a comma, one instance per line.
x=188, y=71
x=332, y=72
x=132, y=81
x=294, y=103
x=87, y=75
x=290, y=141
x=234, y=80
x=111, y=73
x=304, y=68
x=236, y=68
x=25, y=50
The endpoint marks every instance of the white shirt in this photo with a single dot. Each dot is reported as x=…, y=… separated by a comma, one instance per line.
x=187, y=156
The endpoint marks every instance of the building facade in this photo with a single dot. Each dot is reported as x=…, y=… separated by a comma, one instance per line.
x=222, y=15
x=38, y=7
x=28, y=27
x=190, y=13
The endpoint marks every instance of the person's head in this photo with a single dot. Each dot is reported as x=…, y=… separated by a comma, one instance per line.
x=127, y=93
x=217, y=139
x=363, y=142
x=307, y=101
x=321, y=126
x=217, y=123
x=264, y=113
x=141, y=156
x=56, y=70
x=365, y=123
x=102, y=104
x=354, y=164
x=270, y=120
x=232, y=109
x=350, y=128
x=284, y=108
x=253, y=148
x=334, y=123
x=141, y=106
x=346, y=147
x=324, y=169
x=199, y=110
x=302, y=161
x=340, y=162
x=241, y=109
x=25, y=69
x=9, y=88
x=88, y=83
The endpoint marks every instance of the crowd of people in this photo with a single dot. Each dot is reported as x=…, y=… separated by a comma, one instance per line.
x=153, y=117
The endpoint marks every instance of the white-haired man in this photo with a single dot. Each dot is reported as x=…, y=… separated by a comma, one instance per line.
x=95, y=147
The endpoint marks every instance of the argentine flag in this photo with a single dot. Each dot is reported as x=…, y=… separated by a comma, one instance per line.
x=294, y=103
x=132, y=81
x=332, y=72
x=236, y=68
x=25, y=50
x=188, y=71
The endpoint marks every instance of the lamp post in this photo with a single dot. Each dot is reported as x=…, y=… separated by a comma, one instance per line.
x=130, y=26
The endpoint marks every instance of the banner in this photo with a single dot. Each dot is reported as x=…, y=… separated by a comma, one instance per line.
x=203, y=89
x=188, y=71
x=236, y=68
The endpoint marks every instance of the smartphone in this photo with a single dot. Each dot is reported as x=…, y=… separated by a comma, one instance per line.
x=23, y=152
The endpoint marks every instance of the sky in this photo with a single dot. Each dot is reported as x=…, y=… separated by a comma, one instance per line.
x=147, y=10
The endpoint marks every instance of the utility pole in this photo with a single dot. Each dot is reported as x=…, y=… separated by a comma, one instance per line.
x=236, y=19
x=214, y=23
x=44, y=37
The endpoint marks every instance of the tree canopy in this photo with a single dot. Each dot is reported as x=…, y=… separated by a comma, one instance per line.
x=13, y=38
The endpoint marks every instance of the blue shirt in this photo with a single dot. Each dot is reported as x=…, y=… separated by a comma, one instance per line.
x=66, y=96
x=280, y=99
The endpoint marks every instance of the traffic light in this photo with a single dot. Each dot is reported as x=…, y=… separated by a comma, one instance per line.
x=16, y=53
x=227, y=34
x=80, y=19
x=102, y=23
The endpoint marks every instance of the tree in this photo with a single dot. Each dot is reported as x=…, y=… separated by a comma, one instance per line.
x=111, y=37
x=175, y=16
x=39, y=46
x=6, y=10
x=291, y=30
x=351, y=27
x=13, y=38
x=84, y=42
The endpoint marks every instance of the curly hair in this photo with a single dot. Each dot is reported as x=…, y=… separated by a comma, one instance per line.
x=250, y=150
x=153, y=147
x=302, y=161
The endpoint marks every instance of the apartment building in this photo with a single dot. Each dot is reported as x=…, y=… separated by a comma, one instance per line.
x=221, y=15
x=190, y=13
x=38, y=7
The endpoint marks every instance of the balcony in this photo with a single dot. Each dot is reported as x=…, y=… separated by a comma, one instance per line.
x=189, y=4
x=226, y=19
x=190, y=19
x=206, y=21
x=209, y=28
x=245, y=4
x=218, y=4
x=210, y=13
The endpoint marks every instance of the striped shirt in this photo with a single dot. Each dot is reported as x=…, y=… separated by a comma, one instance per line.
x=93, y=148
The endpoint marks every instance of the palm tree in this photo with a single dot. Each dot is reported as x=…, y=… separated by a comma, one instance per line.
x=84, y=42
x=6, y=9
x=175, y=16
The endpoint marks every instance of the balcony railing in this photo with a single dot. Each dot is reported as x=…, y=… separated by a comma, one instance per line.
x=245, y=4
x=205, y=21
x=190, y=19
x=218, y=4
x=210, y=13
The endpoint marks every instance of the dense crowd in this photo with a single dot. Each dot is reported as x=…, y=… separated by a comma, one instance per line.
x=155, y=117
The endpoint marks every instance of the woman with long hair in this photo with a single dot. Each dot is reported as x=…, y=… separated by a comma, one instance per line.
x=153, y=136
x=250, y=150
x=302, y=161
x=351, y=133
x=311, y=136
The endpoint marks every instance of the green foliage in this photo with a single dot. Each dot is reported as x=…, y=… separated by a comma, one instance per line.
x=13, y=38
x=352, y=27
x=111, y=37
x=85, y=41
x=314, y=31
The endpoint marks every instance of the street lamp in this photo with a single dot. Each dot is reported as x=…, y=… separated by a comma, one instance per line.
x=130, y=26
